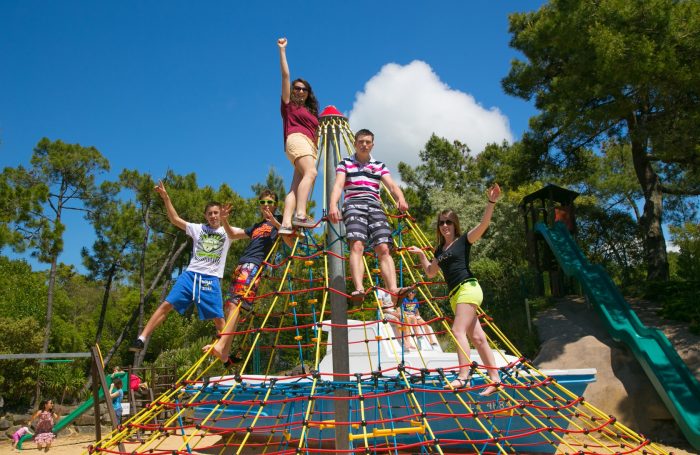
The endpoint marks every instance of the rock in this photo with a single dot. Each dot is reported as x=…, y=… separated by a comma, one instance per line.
x=5, y=424
x=573, y=336
x=20, y=419
x=85, y=419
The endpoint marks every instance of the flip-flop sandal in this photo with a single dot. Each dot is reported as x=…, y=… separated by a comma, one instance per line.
x=463, y=383
x=234, y=359
x=306, y=222
x=357, y=296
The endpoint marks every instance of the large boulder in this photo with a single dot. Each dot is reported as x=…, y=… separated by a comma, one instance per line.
x=573, y=336
x=4, y=424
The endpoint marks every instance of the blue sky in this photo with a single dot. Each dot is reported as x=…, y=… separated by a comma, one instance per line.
x=195, y=86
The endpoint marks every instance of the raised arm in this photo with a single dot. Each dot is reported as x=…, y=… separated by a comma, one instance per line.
x=396, y=191
x=234, y=233
x=113, y=393
x=493, y=194
x=172, y=214
x=333, y=212
x=284, y=68
x=429, y=267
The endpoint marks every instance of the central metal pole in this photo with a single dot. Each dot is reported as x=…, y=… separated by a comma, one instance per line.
x=339, y=317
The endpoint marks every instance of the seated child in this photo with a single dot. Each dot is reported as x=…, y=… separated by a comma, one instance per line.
x=393, y=314
x=413, y=317
x=17, y=435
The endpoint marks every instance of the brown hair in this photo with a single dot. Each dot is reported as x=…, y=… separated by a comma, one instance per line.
x=268, y=193
x=211, y=204
x=364, y=132
x=311, y=102
x=452, y=216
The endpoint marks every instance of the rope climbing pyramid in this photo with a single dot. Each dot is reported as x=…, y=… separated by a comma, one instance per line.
x=318, y=375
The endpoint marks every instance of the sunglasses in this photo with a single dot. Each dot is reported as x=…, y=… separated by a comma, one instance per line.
x=266, y=202
x=445, y=222
x=296, y=88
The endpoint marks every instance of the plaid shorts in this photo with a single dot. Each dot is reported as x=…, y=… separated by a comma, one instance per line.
x=366, y=221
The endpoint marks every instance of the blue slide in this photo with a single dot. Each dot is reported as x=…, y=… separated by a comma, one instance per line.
x=672, y=379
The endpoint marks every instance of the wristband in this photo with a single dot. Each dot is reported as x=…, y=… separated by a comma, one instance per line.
x=493, y=202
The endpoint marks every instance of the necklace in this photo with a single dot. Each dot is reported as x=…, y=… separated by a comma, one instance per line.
x=445, y=248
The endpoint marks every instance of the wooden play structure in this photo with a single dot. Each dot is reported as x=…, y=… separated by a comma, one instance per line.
x=548, y=205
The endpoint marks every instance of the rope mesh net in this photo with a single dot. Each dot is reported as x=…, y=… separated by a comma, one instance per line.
x=281, y=397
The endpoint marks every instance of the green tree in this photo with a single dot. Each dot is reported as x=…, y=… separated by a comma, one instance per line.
x=445, y=165
x=615, y=69
x=61, y=177
x=114, y=253
x=687, y=238
x=273, y=182
x=163, y=249
x=18, y=377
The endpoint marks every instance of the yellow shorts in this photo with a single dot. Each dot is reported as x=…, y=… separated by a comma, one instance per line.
x=298, y=145
x=467, y=292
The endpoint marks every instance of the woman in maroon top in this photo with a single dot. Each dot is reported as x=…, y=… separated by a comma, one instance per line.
x=299, y=121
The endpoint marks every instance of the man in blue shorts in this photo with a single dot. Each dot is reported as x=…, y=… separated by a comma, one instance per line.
x=199, y=284
x=361, y=176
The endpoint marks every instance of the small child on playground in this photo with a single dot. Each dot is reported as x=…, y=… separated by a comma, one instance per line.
x=17, y=435
x=45, y=417
x=117, y=394
x=413, y=317
x=393, y=315
x=135, y=383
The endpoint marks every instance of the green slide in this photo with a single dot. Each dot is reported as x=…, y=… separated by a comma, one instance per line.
x=87, y=404
x=672, y=379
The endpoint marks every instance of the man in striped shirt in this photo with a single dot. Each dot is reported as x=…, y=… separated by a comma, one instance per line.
x=360, y=176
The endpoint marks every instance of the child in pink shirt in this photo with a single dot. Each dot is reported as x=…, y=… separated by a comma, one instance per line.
x=18, y=435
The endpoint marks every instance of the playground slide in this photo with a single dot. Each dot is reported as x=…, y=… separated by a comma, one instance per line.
x=670, y=376
x=86, y=405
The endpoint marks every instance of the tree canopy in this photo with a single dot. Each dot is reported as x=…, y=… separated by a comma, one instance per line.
x=622, y=70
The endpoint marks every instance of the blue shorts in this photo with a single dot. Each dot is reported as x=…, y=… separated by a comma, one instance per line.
x=202, y=290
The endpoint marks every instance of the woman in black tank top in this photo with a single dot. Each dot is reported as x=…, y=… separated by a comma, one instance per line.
x=452, y=258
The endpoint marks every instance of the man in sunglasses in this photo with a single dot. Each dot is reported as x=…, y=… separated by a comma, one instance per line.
x=245, y=278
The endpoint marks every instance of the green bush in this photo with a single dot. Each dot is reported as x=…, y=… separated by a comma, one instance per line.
x=18, y=377
x=504, y=301
x=678, y=301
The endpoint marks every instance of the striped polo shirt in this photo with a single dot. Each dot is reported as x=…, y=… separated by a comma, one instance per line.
x=362, y=180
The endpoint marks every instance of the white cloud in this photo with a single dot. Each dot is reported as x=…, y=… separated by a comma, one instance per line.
x=404, y=105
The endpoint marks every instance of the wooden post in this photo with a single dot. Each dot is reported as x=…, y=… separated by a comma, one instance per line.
x=100, y=373
x=96, y=395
